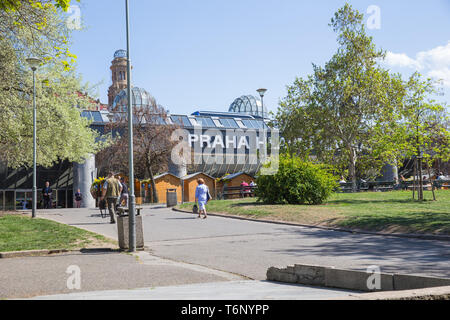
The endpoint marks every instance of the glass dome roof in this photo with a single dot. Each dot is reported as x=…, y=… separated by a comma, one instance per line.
x=141, y=99
x=120, y=54
x=249, y=105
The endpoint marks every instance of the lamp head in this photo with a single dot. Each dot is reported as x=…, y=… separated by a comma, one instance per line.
x=261, y=92
x=34, y=63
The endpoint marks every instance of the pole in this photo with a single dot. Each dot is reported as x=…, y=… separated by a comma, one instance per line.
x=34, y=205
x=262, y=106
x=132, y=202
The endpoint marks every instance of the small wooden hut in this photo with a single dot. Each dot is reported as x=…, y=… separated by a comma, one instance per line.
x=168, y=181
x=190, y=184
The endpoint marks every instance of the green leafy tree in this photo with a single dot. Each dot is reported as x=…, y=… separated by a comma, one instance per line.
x=37, y=28
x=423, y=124
x=330, y=115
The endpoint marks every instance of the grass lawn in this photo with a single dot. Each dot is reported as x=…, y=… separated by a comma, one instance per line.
x=19, y=233
x=375, y=211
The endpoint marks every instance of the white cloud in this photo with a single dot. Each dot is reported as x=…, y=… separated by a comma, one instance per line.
x=401, y=60
x=434, y=63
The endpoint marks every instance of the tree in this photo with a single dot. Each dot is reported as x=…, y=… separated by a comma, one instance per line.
x=331, y=113
x=423, y=126
x=152, y=144
x=37, y=28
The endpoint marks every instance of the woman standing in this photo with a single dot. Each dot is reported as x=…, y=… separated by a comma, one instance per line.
x=202, y=197
x=78, y=198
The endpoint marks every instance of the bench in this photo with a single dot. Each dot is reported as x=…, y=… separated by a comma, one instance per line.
x=123, y=211
x=238, y=191
x=346, y=187
x=442, y=184
x=382, y=186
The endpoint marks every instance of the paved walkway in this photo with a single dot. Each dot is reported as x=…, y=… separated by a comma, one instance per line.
x=37, y=276
x=214, y=258
x=234, y=290
x=250, y=248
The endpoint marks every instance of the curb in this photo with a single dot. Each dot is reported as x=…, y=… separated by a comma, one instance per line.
x=45, y=253
x=357, y=231
x=438, y=293
x=361, y=281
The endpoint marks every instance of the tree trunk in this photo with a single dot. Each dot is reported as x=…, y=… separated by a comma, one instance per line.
x=432, y=183
x=414, y=179
x=352, y=169
x=152, y=179
x=420, y=180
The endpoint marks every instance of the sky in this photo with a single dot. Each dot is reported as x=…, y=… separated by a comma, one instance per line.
x=202, y=54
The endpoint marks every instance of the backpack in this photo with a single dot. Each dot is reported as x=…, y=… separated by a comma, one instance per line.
x=195, y=209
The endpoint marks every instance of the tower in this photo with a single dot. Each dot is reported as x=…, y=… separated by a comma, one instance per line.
x=119, y=75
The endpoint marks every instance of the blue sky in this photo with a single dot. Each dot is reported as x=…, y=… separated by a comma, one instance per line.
x=202, y=54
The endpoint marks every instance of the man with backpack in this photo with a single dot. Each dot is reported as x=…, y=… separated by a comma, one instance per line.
x=111, y=190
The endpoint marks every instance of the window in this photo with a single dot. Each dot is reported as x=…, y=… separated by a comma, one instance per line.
x=193, y=122
x=218, y=123
x=97, y=116
x=181, y=121
x=240, y=124
x=229, y=123
x=205, y=122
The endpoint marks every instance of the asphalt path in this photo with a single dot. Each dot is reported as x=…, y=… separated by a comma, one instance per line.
x=249, y=248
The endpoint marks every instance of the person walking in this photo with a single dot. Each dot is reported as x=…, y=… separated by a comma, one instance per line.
x=78, y=198
x=124, y=195
x=202, y=196
x=47, y=195
x=111, y=190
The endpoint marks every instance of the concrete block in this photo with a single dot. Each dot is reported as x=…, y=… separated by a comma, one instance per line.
x=287, y=277
x=123, y=232
x=281, y=275
x=310, y=275
x=272, y=274
x=356, y=280
x=409, y=282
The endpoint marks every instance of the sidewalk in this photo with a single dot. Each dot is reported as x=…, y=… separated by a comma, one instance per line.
x=37, y=276
x=235, y=290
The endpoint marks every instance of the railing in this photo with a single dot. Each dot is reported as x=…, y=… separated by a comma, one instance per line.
x=21, y=199
x=237, y=192
x=391, y=185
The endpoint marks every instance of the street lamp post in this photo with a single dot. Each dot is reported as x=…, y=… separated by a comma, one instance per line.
x=132, y=202
x=262, y=92
x=34, y=64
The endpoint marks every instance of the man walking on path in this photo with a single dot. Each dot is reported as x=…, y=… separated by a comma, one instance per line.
x=112, y=190
x=47, y=195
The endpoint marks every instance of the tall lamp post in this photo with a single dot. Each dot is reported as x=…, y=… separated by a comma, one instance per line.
x=132, y=202
x=34, y=64
x=262, y=92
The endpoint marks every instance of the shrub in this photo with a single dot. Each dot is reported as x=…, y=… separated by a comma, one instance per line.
x=296, y=182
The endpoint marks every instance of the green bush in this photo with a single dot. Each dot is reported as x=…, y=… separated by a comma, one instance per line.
x=296, y=182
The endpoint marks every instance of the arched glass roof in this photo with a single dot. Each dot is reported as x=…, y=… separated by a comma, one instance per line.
x=141, y=99
x=120, y=54
x=249, y=105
